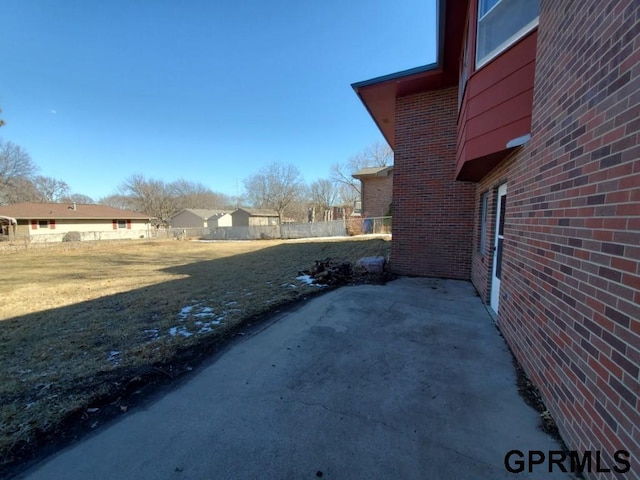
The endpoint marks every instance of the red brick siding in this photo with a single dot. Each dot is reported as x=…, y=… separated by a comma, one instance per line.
x=376, y=195
x=433, y=214
x=570, y=298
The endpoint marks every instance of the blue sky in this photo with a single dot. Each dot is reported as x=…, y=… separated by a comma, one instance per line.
x=209, y=91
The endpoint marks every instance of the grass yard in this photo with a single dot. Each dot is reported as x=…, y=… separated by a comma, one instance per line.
x=83, y=327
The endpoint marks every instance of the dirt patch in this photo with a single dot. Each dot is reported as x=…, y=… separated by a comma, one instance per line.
x=531, y=396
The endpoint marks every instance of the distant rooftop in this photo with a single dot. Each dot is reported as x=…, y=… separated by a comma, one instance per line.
x=28, y=211
x=373, y=172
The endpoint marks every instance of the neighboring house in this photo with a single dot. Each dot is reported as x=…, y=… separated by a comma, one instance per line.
x=50, y=222
x=375, y=191
x=517, y=166
x=245, y=217
x=221, y=219
x=201, y=218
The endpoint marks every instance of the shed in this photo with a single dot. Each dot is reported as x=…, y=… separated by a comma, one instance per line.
x=245, y=217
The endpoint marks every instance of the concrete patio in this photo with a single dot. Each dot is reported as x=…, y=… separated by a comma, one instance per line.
x=410, y=380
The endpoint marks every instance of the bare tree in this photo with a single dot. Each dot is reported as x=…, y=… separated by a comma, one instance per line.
x=375, y=155
x=1, y=121
x=118, y=201
x=77, y=198
x=324, y=195
x=20, y=189
x=16, y=166
x=149, y=196
x=277, y=187
x=196, y=195
x=50, y=189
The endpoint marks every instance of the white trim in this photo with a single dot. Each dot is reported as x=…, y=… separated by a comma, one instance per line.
x=495, y=281
x=488, y=12
x=519, y=141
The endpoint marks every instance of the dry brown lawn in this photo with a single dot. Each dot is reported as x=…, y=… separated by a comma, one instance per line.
x=82, y=324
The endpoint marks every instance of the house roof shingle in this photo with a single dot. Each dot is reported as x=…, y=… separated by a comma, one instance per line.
x=34, y=211
x=203, y=212
x=258, y=212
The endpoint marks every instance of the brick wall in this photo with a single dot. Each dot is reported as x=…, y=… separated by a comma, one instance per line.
x=570, y=303
x=433, y=214
x=376, y=195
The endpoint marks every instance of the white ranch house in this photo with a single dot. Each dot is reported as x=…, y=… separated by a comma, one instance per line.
x=50, y=222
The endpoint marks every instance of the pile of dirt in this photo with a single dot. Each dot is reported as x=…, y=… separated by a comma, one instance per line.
x=335, y=272
x=329, y=272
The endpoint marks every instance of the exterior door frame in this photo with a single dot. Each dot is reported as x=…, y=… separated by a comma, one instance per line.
x=498, y=242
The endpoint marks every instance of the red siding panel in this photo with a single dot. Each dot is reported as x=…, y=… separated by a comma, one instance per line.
x=505, y=89
x=496, y=107
x=488, y=123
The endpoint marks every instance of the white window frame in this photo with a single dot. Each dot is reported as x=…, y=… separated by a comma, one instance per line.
x=43, y=224
x=122, y=224
x=480, y=62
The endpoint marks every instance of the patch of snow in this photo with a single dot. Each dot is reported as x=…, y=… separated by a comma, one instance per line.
x=207, y=327
x=195, y=310
x=173, y=331
x=114, y=357
x=308, y=280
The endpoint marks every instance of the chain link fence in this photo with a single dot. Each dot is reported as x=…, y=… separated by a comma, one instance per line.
x=335, y=228
x=369, y=225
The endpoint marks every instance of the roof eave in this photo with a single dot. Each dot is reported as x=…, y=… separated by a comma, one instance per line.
x=397, y=76
x=380, y=173
x=378, y=95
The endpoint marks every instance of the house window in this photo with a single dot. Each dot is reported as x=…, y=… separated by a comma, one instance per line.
x=501, y=23
x=484, y=201
x=122, y=224
x=43, y=223
x=357, y=207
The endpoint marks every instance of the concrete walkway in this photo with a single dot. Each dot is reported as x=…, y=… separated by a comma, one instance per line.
x=410, y=380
